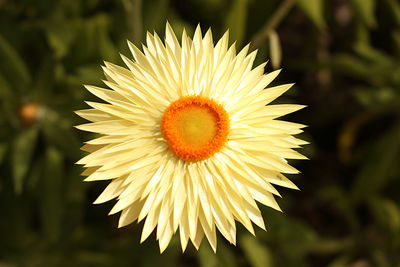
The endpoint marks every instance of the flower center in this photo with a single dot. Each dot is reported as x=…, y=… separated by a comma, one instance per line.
x=195, y=127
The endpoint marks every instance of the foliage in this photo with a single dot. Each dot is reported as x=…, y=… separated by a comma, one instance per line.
x=344, y=56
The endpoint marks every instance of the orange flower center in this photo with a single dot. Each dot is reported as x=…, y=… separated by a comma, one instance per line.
x=195, y=127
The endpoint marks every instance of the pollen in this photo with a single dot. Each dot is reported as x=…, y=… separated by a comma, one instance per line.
x=195, y=127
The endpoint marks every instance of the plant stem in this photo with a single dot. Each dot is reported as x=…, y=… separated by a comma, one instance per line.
x=133, y=10
x=272, y=23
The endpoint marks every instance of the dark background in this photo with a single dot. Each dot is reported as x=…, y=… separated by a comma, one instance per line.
x=343, y=55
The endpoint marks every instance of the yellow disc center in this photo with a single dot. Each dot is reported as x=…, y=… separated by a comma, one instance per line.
x=195, y=127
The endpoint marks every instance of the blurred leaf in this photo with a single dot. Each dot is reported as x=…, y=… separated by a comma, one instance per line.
x=44, y=77
x=340, y=261
x=329, y=246
x=396, y=41
x=376, y=168
x=155, y=15
x=51, y=196
x=372, y=54
x=3, y=150
x=236, y=20
x=90, y=74
x=12, y=65
x=60, y=34
x=226, y=255
x=207, y=258
x=290, y=236
x=257, y=254
x=98, y=25
x=5, y=90
x=376, y=98
x=314, y=9
x=375, y=67
x=366, y=10
x=95, y=258
x=362, y=35
x=350, y=65
x=275, y=50
x=394, y=6
x=107, y=49
x=339, y=197
x=387, y=213
x=23, y=148
x=59, y=133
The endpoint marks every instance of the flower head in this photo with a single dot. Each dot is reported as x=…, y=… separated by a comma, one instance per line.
x=189, y=139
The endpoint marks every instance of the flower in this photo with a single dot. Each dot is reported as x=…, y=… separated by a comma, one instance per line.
x=189, y=139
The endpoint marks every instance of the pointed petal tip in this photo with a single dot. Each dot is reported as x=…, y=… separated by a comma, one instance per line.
x=162, y=248
x=304, y=158
x=183, y=248
x=104, y=68
x=214, y=248
x=290, y=85
x=263, y=226
x=123, y=57
x=114, y=210
x=129, y=42
x=277, y=71
x=122, y=224
x=227, y=32
x=97, y=202
x=198, y=27
x=106, y=63
x=196, y=246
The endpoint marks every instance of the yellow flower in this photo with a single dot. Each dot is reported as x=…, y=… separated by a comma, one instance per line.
x=189, y=139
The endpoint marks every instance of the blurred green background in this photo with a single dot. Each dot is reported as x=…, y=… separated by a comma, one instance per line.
x=344, y=56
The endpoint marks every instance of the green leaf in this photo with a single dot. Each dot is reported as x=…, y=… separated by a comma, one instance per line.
x=366, y=11
x=314, y=9
x=206, y=257
x=340, y=261
x=236, y=20
x=257, y=254
x=368, y=52
x=59, y=133
x=154, y=15
x=380, y=160
x=51, y=197
x=12, y=65
x=394, y=6
x=3, y=150
x=23, y=148
x=387, y=213
x=5, y=91
x=350, y=65
x=396, y=41
x=106, y=47
x=376, y=98
x=275, y=50
x=331, y=246
x=60, y=35
x=89, y=74
x=226, y=255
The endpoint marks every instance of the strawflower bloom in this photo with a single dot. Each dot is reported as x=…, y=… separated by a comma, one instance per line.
x=189, y=139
